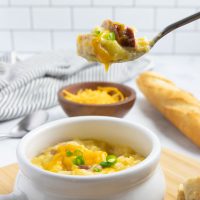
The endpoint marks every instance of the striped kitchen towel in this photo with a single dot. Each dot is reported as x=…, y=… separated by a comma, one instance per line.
x=33, y=84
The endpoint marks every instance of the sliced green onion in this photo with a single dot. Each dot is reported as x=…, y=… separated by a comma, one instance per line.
x=111, y=159
x=97, y=31
x=79, y=160
x=69, y=153
x=105, y=164
x=77, y=152
x=110, y=36
x=96, y=169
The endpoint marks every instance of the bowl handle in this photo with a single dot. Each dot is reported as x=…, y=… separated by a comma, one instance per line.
x=13, y=196
x=7, y=197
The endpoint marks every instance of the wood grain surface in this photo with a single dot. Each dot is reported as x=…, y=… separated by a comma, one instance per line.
x=176, y=167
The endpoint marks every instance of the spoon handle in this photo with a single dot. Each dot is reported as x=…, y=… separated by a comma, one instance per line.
x=176, y=25
x=3, y=136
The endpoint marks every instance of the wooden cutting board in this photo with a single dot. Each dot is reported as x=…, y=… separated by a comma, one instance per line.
x=177, y=168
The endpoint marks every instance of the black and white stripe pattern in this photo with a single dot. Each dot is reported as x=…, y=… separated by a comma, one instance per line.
x=33, y=84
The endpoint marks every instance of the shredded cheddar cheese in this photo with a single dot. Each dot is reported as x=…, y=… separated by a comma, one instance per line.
x=102, y=95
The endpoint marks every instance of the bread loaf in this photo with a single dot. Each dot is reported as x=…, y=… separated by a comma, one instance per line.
x=189, y=190
x=177, y=105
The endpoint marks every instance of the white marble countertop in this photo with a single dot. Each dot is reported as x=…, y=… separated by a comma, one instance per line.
x=183, y=70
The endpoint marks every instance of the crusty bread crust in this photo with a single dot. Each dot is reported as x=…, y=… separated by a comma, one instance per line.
x=177, y=105
x=181, y=195
x=189, y=190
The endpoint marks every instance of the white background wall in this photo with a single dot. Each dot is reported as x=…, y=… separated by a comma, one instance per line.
x=40, y=25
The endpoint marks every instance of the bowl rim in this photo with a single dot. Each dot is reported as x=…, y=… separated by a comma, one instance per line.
x=150, y=160
x=128, y=99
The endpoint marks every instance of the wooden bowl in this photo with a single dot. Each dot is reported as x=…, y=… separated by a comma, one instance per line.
x=118, y=109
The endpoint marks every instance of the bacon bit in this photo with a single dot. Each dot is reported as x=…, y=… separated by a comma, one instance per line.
x=131, y=38
x=84, y=167
x=53, y=151
x=124, y=35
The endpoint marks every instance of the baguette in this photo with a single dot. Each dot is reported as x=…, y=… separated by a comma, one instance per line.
x=178, y=106
x=189, y=190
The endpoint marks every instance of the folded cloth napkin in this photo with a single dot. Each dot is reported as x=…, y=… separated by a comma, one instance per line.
x=33, y=84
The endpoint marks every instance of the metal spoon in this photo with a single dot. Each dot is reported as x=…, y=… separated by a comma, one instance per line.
x=176, y=25
x=132, y=54
x=169, y=29
x=27, y=124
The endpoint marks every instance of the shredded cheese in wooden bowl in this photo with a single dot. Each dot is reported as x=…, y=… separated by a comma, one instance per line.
x=101, y=95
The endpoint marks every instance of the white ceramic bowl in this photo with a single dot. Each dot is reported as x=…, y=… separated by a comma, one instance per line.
x=140, y=182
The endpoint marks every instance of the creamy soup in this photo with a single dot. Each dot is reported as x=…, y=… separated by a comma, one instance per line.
x=86, y=157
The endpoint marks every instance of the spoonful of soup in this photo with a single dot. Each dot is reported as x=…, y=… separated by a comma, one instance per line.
x=113, y=42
